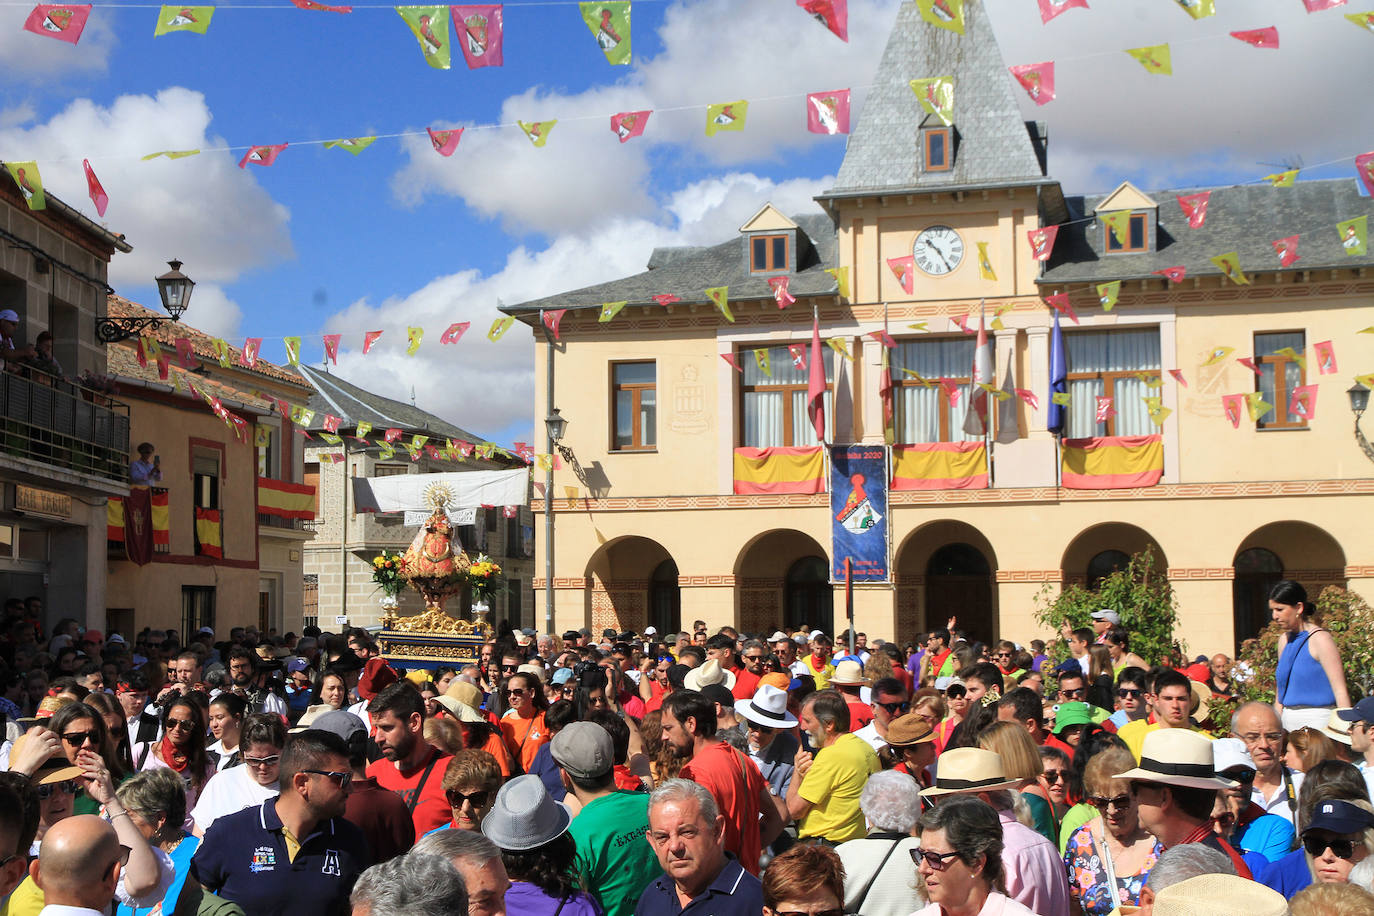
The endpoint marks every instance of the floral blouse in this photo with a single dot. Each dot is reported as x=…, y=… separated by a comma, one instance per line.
x=1088, y=874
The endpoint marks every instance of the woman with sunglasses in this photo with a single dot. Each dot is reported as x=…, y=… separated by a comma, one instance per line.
x=262, y=738
x=808, y=881
x=1339, y=836
x=522, y=725
x=81, y=728
x=1110, y=857
x=115, y=725
x=960, y=860
x=957, y=703
x=182, y=748
x=471, y=781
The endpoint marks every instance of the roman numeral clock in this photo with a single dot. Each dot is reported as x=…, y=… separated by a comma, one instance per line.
x=938, y=250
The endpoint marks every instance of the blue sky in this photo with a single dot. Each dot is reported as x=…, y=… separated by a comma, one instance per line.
x=325, y=241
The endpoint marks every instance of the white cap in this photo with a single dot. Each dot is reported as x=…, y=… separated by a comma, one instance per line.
x=1108, y=615
x=815, y=633
x=1230, y=752
x=778, y=636
x=650, y=631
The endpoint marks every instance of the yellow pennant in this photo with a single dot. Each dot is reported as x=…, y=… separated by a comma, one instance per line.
x=985, y=263
x=414, y=336
x=841, y=275
x=499, y=327
x=1282, y=179
x=761, y=358
x=1294, y=355
x=1217, y=354
x=1229, y=265
x=838, y=345
x=609, y=310
x=1154, y=58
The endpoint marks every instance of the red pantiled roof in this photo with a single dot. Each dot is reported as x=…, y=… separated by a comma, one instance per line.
x=123, y=362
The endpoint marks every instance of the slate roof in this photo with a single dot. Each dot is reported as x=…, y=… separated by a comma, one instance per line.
x=687, y=272
x=995, y=147
x=1244, y=219
x=333, y=395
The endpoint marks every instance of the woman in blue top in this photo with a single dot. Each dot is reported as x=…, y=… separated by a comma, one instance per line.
x=156, y=804
x=1309, y=678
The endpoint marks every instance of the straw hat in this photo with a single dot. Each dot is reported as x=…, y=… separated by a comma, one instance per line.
x=524, y=815
x=709, y=673
x=312, y=712
x=968, y=769
x=468, y=698
x=1178, y=757
x=768, y=707
x=909, y=731
x=1207, y=895
x=54, y=769
x=458, y=709
x=1199, y=705
x=848, y=673
x=1336, y=728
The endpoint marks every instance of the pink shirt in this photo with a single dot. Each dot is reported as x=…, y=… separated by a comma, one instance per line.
x=1033, y=869
x=996, y=905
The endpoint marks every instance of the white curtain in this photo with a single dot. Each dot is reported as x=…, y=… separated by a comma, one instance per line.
x=764, y=411
x=1130, y=350
x=918, y=407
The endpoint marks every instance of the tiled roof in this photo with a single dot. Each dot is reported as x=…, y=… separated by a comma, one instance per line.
x=123, y=362
x=687, y=272
x=994, y=144
x=203, y=344
x=1244, y=219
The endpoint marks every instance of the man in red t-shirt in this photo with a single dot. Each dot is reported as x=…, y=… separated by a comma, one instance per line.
x=752, y=653
x=412, y=768
x=752, y=820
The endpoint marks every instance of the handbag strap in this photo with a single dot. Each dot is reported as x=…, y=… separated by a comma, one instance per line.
x=859, y=904
x=420, y=787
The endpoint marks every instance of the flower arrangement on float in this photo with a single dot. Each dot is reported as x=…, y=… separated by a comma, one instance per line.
x=389, y=574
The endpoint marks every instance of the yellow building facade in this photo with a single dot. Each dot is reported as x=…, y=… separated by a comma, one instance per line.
x=653, y=525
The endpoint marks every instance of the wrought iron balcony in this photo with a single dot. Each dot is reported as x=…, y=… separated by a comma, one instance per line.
x=52, y=420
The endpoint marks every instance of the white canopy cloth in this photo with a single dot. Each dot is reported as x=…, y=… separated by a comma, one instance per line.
x=455, y=490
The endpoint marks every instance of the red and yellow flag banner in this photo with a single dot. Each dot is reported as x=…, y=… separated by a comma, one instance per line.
x=1113, y=462
x=779, y=470
x=209, y=540
x=285, y=499
x=940, y=466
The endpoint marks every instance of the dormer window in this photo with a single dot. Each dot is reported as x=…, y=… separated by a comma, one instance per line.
x=768, y=254
x=1137, y=236
x=1134, y=214
x=937, y=149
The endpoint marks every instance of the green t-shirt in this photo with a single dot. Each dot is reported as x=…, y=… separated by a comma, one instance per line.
x=613, y=854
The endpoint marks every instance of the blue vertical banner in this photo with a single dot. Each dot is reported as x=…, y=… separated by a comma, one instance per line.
x=858, y=512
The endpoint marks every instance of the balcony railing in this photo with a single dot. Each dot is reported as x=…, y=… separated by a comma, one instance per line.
x=55, y=421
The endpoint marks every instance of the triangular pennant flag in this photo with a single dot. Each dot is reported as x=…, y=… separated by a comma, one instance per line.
x=1199, y=9
x=293, y=350
x=839, y=346
x=1249, y=363
x=1051, y=8
x=444, y=141
x=1028, y=397
x=262, y=155
x=1364, y=170
x=1105, y=411
x=1217, y=355
x=370, y=338
x=249, y=356
x=664, y=299
x=331, y=347
x=1107, y=294
x=552, y=319
x=361, y=430
x=1354, y=234
x=25, y=175
x=833, y=14
x=384, y=452
x=1260, y=38
x=780, y=294
x=414, y=337
x=1287, y=250
x=841, y=275
x=141, y=352
x=883, y=338
x=904, y=269
x=609, y=310
x=1037, y=80
x=917, y=378
x=1119, y=222
x=1294, y=355
x=985, y=270
x=798, y=352
x=1316, y=6
x=321, y=7
x=262, y=436
x=1158, y=412
x=828, y=112
x=481, y=34
x=354, y=145
x=1178, y=377
x=1302, y=402
x=719, y=296
x=61, y=21
x=627, y=125
x=961, y=322
x=537, y=131
x=183, y=19
x=920, y=326
x=1325, y=353
x=331, y=438
x=947, y=14
x=997, y=314
x=499, y=327
x=94, y=189
x=1229, y=265
x=331, y=423
x=1257, y=406
x=429, y=24
x=1172, y=274
x=1042, y=241
x=391, y=435
x=1154, y=58
x=725, y=116
x=1060, y=303
x=734, y=363
x=610, y=25
x=455, y=332
x=952, y=390
x=936, y=96
x=186, y=354
x=222, y=352
x=761, y=360
x=171, y=154
x=1362, y=20
x=1283, y=179
x=1195, y=208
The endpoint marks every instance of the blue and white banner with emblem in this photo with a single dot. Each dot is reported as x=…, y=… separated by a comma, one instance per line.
x=858, y=512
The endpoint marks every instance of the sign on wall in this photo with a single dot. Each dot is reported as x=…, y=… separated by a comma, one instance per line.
x=858, y=512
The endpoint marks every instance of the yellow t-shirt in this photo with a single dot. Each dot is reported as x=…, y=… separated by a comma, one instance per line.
x=27, y=900
x=833, y=786
x=823, y=675
x=1133, y=733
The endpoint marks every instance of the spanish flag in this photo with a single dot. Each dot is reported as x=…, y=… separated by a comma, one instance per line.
x=285, y=499
x=940, y=466
x=114, y=519
x=161, y=521
x=779, y=470
x=209, y=542
x=1113, y=462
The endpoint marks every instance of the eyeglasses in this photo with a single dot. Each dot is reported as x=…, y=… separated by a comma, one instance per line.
x=1127, y=693
x=1120, y=802
x=761, y=729
x=68, y=787
x=339, y=779
x=181, y=724
x=476, y=799
x=1052, y=776
x=936, y=860
x=76, y=739
x=754, y=658
x=262, y=761
x=1317, y=846
x=1243, y=775
x=896, y=708
x=505, y=667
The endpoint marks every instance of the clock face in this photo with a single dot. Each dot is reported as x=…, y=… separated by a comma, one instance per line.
x=938, y=250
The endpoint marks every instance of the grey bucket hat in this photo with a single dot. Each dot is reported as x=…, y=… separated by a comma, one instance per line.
x=524, y=815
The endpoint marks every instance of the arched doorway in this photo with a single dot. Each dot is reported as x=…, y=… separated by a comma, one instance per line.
x=622, y=580
x=959, y=584
x=807, y=596
x=665, y=599
x=1257, y=569
x=1281, y=550
x=1104, y=564
x=1102, y=549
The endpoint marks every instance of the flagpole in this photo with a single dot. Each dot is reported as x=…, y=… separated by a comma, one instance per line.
x=992, y=401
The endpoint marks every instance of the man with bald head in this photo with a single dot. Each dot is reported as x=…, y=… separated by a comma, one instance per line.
x=78, y=866
x=1275, y=788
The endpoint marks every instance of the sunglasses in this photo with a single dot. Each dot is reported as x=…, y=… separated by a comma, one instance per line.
x=1073, y=693
x=938, y=861
x=753, y=658
x=801, y=913
x=1120, y=802
x=1001, y=655
x=1127, y=693
x=76, y=739
x=761, y=729
x=517, y=691
x=180, y=724
x=1052, y=776
x=1243, y=775
x=262, y=761
x=1316, y=846
x=68, y=787
x=896, y=708
x=339, y=779
x=476, y=799
x=505, y=667
x=955, y=691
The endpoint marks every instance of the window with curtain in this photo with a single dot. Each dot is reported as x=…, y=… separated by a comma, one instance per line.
x=634, y=394
x=1116, y=363
x=1279, y=375
x=924, y=413
x=773, y=407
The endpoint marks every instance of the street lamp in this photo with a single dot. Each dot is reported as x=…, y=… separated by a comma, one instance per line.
x=1359, y=400
x=173, y=287
x=554, y=426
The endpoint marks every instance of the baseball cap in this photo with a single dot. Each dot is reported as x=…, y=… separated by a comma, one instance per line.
x=778, y=636
x=815, y=634
x=583, y=749
x=562, y=676
x=1362, y=711
x=206, y=631
x=650, y=631
x=9, y=315
x=93, y=636
x=339, y=722
x=1339, y=817
x=1108, y=615
x=296, y=664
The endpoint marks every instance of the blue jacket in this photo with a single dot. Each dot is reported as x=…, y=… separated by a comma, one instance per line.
x=1289, y=874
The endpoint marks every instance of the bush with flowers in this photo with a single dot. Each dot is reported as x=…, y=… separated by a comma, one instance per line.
x=484, y=578
x=388, y=571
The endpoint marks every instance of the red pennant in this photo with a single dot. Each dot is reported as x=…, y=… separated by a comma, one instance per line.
x=1105, y=410
x=730, y=358
x=141, y=353
x=1042, y=241
x=780, y=293
x=331, y=347
x=1037, y=80
x=883, y=338
x=904, y=269
x=1172, y=274
x=369, y=339
x=249, y=356
x=455, y=332
x=322, y=7
x=798, y=352
x=186, y=354
x=665, y=298
x=1249, y=363
x=952, y=391
x=392, y=435
x=511, y=511
x=94, y=188
x=1260, y=38
x=1287, y=250
x=262, y=155
x=1316, y=6
x=828, y=112
x=1326, y=357
x=833, y=14
x=1028, y=397
x=552, y=319
x=1178, y=377
x=961, y=322
x=480, y=33
x=58, y=21
x=1364, y=169
x=1060, y=303
x=629, y=124
x=1195, y=208
x=1051, y=8
x=283, y=408
x=445, y=141
x=331, y=423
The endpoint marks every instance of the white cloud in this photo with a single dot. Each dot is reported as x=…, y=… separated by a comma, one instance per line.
x=26, y=57
x=204, y=210
x=214, y=313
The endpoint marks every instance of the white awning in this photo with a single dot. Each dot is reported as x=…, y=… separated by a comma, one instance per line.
x=457, y=490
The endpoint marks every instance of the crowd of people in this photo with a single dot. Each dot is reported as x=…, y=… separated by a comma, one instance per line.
x=791, y=774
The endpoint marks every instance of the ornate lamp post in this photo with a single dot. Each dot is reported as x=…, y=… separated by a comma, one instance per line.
x=1359, y=400
x=174, y=288
x=554, y=426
